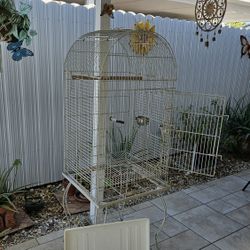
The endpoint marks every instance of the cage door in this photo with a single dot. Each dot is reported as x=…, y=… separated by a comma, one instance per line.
x=195, y=133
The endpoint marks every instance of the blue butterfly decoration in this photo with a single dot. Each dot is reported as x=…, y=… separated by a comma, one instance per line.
x=18, y=52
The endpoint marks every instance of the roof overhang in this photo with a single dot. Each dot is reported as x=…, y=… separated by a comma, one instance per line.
x=237, y=10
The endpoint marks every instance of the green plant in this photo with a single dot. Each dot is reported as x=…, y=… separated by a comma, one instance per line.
x=198, y=126
x=16, y=21
x=121, y=145
x=236, y=129
x=7, y=187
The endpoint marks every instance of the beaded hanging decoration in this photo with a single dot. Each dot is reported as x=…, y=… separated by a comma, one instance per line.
x=209, y=15
x=245, y=46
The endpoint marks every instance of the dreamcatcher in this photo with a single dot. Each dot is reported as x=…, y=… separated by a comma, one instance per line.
x=143, y=39
x=209, y=15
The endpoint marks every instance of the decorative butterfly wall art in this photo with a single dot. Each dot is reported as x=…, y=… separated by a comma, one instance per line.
x=245, y=49
x=18, y=52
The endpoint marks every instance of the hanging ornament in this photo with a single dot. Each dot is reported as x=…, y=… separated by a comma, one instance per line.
x=108, y=9
x=209, y=15
x=207, y=41
x=143, y=39
x=15, y=28
x=7, y=10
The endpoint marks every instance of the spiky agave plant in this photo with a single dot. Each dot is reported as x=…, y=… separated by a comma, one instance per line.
x=122, y=144
x=7, y=187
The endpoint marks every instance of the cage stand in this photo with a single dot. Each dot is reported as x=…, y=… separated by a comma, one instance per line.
x=162, y=224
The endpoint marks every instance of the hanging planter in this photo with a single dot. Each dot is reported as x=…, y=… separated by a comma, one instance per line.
x=7, y=9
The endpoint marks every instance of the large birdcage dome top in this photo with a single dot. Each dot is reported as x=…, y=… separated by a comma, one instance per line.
x=122, y=53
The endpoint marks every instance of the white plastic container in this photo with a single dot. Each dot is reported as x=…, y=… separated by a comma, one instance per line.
x=126, y=235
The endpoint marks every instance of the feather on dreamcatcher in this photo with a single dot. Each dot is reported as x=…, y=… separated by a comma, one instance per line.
x=209, y=15
x=143, y=39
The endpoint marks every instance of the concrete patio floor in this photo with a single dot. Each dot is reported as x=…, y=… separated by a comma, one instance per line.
x=211, y=216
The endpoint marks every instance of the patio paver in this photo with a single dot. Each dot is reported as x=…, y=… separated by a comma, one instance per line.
x=207, y=223
x=211, y=247
x=25, y=245
x=241, y=215
x=235, y=200
x=244, y=195
x=177, y=203
x=153, y=213
x=161, y=236
x=221, y=206
x=210, y=216
x=231, y=183
x=171, y=227
x=239, y=240
x=50, y=237
x=209, y=194
x=57, y=244
x=187, y=240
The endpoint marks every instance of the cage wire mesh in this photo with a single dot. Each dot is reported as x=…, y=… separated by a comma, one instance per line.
x=116, y=95
x=195, y=131
x=125, y=124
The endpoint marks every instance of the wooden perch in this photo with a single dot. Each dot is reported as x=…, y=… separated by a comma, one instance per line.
x=112, y=78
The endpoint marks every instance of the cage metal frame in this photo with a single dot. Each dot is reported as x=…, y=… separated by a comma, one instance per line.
x=105, y=80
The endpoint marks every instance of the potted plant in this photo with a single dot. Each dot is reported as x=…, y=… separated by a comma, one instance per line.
x=7, y=9
x=7, y=190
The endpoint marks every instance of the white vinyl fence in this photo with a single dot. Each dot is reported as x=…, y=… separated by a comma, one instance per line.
x=31, y=91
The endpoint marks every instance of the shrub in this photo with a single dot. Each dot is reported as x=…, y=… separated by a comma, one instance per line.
x=235, y=138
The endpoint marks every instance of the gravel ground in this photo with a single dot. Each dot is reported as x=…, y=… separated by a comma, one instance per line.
x=52, y=218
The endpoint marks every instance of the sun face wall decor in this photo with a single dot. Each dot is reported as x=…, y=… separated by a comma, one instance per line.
x=209, y=15
x=141, y=42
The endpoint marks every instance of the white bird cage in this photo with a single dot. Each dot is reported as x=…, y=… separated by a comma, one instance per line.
x=125, y=124
x=119, y=87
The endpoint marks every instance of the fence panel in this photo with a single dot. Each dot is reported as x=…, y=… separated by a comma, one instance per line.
x=31, y=91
